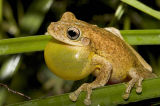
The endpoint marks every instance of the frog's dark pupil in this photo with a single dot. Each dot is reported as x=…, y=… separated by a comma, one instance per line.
x=72, y=34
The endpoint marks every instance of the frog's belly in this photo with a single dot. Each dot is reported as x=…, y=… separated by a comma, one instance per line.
x=118, y=76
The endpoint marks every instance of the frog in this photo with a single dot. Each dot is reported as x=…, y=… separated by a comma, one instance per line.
x=112, y=59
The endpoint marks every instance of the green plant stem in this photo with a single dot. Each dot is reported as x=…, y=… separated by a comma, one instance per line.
x=23, y=44
x=142, y=37
x=142, y=7
x=37, y=43
x=3, y=96
x=118, y=14
x=127, y=23
x=108, y=96
x=1, y=8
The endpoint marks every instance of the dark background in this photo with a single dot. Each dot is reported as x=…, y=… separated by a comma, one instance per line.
x=33, y=77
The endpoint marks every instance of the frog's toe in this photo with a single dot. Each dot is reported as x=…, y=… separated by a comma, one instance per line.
x=139, y=90
x=136, y=80
x=87, y=102
x=139, y=85
x=73, y=96
x=125, y=96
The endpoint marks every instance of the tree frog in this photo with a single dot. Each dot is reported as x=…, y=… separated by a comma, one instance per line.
x=100, y=51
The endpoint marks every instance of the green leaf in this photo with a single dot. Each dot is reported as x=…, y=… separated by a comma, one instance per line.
x=109, y=96
x=20, y=10
x=37, y=43
x=35, y=15
x=10, y=66
x=9, y=25
x=142, y=7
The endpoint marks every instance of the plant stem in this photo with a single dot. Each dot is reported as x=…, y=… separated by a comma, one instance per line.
x=142, y=7
x=1, y=9
x=38, y=43
x=108, y=95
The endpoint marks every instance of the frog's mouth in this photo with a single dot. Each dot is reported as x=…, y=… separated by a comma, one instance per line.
x=61, y=41
x=57, y=41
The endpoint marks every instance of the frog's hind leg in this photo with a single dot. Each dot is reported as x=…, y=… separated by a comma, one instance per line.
x=101, y=79
x=136, y=79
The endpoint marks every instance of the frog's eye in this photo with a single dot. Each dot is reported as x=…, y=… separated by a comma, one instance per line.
x=73, y=33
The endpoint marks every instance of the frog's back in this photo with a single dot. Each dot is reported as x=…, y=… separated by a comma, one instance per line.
x=122, y=57
x=111, y=47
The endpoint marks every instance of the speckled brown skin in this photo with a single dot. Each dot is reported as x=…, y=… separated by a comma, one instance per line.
x=118, y=61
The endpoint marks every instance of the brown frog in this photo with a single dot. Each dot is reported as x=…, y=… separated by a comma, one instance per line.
x=111, y=58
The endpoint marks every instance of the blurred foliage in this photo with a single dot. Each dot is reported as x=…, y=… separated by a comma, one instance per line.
x=31, y=17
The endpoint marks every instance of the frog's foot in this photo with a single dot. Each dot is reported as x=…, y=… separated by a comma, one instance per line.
x=85, y=87
x=136, y=80
x=73, y=97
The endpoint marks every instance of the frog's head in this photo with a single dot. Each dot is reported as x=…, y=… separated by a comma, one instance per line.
x=69, y=30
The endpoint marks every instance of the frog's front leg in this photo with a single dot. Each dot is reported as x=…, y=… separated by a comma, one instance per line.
x=101, y=79
x=136, y=79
